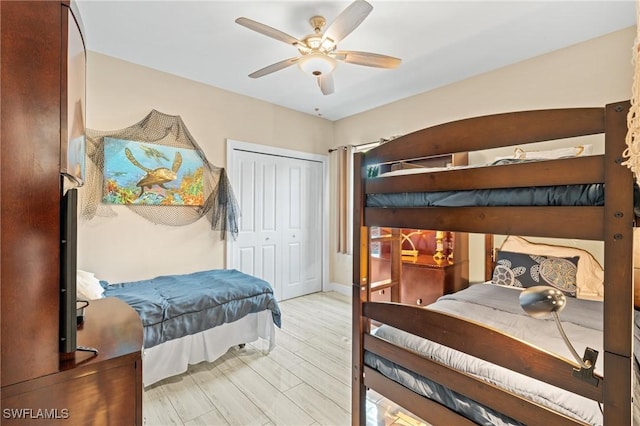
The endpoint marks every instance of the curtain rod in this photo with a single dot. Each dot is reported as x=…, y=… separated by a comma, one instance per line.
x=337, y=149
x=378, y=142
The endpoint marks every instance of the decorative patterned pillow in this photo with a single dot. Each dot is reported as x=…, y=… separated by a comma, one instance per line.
x=528, y=270
x=590, y=275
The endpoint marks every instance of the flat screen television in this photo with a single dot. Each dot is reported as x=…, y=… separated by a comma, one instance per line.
x=72, y=148
x=68, y=265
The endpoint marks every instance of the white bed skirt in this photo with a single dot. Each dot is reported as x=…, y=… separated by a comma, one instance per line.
x=173, y=357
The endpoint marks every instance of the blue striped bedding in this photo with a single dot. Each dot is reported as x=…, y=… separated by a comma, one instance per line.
x=174, y=306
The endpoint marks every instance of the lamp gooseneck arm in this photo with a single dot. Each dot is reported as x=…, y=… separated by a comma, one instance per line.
x=582, y=363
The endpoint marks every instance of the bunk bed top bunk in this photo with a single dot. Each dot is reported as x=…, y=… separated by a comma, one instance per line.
x=607, y=217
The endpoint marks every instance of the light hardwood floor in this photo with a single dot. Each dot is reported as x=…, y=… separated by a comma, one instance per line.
x=305, y=380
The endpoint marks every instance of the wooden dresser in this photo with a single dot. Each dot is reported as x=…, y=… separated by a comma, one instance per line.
x=420, y=279
x=427, y=280
x=423, y=279
x=102, y=389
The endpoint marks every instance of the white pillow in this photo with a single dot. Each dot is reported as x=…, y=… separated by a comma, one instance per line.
x=574, y=151
x=88, y=286
x=590, y=275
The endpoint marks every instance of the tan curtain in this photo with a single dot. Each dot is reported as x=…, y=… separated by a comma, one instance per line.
x=343, y=160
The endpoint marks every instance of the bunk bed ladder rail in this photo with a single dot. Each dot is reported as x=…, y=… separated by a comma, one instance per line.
x=618, y=241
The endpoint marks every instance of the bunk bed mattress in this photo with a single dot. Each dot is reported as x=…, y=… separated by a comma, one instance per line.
x=564, y=195
x=174, y=306
x=498, y=307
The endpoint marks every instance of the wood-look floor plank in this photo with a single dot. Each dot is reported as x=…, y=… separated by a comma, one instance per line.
x=187, y=399
x=329, y=386
x=324, y=323
x=234, y=405
x=241, y=386
x=270, y=370
x=324, y=411
x=289, y=342
x=334, y=348
x=212, y=418
x=280, y=409
x=158, y=410
x=335, y=369
x=284, y=357
x=228, y=360
x=321, y=311
x=299, y=331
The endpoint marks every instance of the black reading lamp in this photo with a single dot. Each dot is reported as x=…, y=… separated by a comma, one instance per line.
x=543, y=301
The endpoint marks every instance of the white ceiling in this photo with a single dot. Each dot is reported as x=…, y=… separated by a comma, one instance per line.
x=439, y=42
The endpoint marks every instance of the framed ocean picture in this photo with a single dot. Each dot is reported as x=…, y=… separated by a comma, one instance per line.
x=151, y=174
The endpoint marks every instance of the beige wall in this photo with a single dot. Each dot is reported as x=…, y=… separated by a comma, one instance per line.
x=119, y=94
x=588, y=74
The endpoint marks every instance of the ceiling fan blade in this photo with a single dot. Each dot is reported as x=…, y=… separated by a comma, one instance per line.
x=268, y=31
x=274, y=67
x=347, y=21
x=367, y=59
x=325, y=81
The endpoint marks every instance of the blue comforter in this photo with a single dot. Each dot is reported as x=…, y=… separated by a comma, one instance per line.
x=173, y=306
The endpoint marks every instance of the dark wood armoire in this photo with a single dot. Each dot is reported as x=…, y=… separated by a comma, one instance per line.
x=33, y=128
x=31, y=89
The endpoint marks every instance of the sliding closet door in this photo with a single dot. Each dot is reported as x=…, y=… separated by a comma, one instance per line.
x=301, y=218
x=256, y=250
x=280, y=232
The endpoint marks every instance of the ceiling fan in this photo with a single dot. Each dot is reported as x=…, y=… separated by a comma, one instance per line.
x=318, y=51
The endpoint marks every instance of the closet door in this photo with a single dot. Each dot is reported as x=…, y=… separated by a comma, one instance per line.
x=300, y=222
x=280, y=232
x=256, y=251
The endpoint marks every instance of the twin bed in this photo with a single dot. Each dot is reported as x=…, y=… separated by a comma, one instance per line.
x=476, y=356
x=197, y=317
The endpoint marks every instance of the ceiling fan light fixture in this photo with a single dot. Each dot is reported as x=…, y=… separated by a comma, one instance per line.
x=317, y=64
x=327, y=45
x=318, y=51
x=315, y=43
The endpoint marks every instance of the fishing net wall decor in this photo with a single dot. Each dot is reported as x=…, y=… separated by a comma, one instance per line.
x=156, y=168
x=632, y=152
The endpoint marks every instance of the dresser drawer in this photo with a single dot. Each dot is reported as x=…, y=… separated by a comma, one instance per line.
x=421, y=285
x=383, y=295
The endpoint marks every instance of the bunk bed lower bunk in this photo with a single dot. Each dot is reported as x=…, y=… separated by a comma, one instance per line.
x=497, y=307
x=611, y=220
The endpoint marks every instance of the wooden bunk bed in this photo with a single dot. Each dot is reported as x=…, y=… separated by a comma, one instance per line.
x=611, y=222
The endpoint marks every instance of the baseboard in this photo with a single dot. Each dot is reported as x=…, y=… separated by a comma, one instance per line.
x=339, y=288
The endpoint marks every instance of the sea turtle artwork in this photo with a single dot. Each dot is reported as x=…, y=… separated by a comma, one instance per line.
x=158, y=176
x=152, y=174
